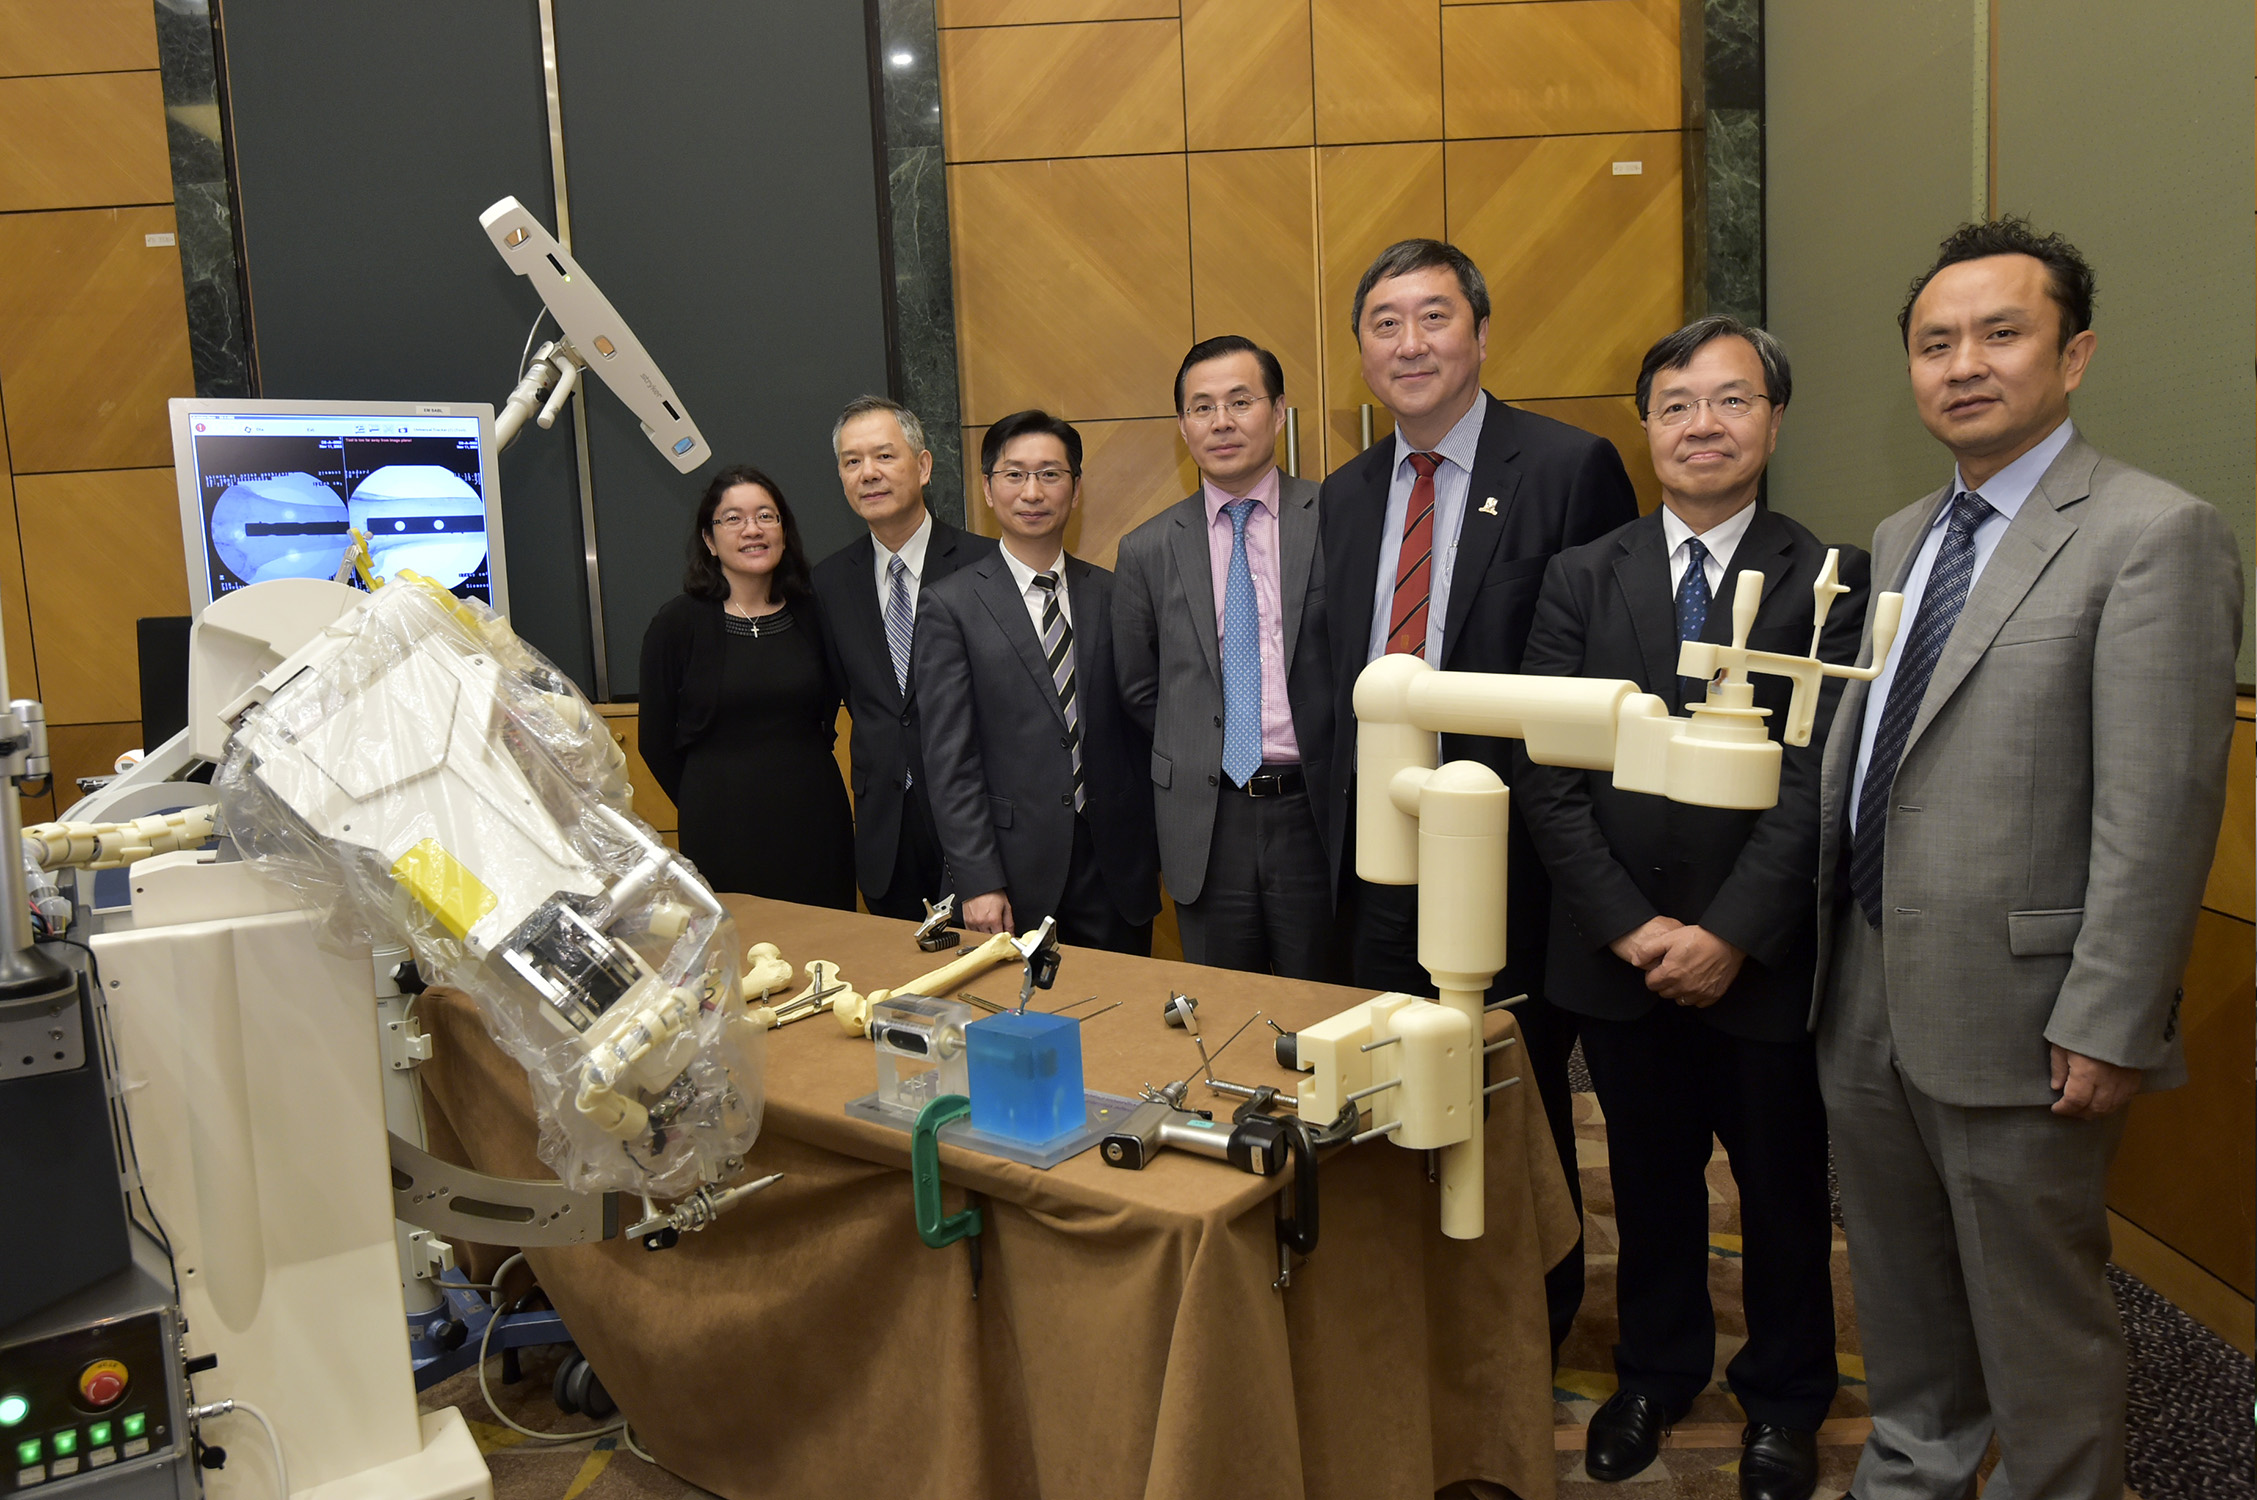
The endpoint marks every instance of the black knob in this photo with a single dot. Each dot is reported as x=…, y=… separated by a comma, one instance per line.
x=201, y=1363
x=662, y=1239
x=1289, y=1050
x=212, y=1456
x=409, y=978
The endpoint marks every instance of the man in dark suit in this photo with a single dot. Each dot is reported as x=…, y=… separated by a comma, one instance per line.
x=1041, y=783
x=1218, y=632
x=1684, y=938
x=868, y=592
x=1453, y=578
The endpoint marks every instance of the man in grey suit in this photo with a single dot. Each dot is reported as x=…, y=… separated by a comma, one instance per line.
x=1218, y=632
x=1041, y=784
x=2016, y=821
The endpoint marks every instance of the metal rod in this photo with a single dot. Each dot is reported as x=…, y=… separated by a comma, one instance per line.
x=1377, y=1088
x=1225, y=1047
x=1388, y=1041
x=598, y=646
x=1358, y=1140
x=1293, y=445
x=1510, y=1041
x=1093, y=1015
x=1506, y=1084
x=1364, y=422
x=1501, y=1004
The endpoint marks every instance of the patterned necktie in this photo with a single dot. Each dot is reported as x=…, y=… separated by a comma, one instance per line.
x=1242, y=656
x=901, y=622
x=1058, y=649
x=1923, y=647
x=1692, y=612
x=1414, y=565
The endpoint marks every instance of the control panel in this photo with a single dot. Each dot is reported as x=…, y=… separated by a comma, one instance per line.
x=84, y=1400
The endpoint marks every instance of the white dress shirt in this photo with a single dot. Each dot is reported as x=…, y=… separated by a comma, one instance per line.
x=1036, y=598
x=1721, y=540
x=1453, y=477
x=912, y=554
x=2005, y=490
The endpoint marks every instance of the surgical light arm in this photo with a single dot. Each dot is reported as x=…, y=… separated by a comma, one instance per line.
x=1442, y=828
x=594, y=337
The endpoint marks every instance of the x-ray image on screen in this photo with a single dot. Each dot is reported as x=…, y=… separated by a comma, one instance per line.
x=281, y=495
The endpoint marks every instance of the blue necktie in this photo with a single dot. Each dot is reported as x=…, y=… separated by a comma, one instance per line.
x=1692, y=612
x=1924, y=645
x=1242, y=657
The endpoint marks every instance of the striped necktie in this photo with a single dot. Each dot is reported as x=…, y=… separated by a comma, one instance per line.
x=1242, y=656
x=901, y=622
x=1940, y=603
x=1414, y=564
x=1058, y=650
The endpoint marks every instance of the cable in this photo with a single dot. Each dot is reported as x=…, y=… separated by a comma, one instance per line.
x=525, y=356
x=485, y=1339
x=627, y=1436
x=273, y=1442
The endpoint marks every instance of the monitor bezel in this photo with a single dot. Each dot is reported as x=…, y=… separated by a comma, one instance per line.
x=184, y=410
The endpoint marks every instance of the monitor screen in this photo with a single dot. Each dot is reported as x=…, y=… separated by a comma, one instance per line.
x=275, y=489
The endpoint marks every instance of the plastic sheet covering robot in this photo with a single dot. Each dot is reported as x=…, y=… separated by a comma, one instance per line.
x=421, y=776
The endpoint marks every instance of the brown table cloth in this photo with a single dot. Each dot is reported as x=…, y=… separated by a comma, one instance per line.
x=1126, y=1339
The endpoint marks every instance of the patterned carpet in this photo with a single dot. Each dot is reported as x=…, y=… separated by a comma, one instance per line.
x=2191, y=1393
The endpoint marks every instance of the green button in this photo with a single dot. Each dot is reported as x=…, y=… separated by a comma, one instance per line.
x=99, y=1434
x=66, y=1443
x=136, y=1424
x=27, y=1452
x=12, y=1410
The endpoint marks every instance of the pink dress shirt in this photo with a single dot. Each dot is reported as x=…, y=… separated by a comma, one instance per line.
x=1279, y=747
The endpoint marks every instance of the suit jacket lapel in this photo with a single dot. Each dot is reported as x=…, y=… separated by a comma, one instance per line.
x=1494, y=478
x=1889, y=575
x=1642, y=573
x=999, y=592
x=1189, y=546
x=2039, y=529
x=1297, y=546
x=1364, y=518
x=866, y=615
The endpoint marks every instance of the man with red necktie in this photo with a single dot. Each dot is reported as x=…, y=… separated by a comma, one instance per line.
x=1435, y=542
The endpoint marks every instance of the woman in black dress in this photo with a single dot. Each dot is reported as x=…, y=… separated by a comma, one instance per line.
x=738, y=709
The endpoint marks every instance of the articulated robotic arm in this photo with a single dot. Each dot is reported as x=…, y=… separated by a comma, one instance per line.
x=1442, y=828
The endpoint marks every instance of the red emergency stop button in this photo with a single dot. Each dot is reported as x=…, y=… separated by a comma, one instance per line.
x=101, y=1383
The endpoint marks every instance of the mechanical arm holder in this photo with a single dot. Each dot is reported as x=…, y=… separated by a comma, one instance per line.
x=1442, y=828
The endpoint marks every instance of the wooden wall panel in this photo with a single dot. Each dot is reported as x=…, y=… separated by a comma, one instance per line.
x=82, y=139
x=1073, y=285
x=1130, y=472
x=2186, y=1169
x=1614, y=418
x=1105, y=89
x=1378, y=67
x=1585, y=262
x=2233, y=871
x=1254, y=261
x=1561, y=67
x=76, y=36
x=76, y=750
x=93, y=339
x=15, y=616
x=1368, y=197
x=84, y=600
x=1031, y=12
x=1246, y=74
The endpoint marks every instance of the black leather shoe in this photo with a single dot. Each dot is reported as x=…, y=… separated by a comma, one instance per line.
x=1624, y=1436
x=1777, y=1463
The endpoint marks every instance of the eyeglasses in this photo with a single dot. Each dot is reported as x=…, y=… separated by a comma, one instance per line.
x=1730, y=408
x=1239, y=408
x=737, y=520
x=1016, y=479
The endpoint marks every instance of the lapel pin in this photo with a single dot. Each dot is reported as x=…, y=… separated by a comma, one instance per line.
x=1489, y=506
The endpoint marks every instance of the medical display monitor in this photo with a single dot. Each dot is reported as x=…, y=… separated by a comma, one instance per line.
x=275, y=489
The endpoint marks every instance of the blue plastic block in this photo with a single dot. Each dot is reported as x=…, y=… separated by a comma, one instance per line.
x=1026, y=1076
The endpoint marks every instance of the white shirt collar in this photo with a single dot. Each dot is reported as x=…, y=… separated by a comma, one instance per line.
x=912, y=551
x=1721, y=540
x=1458, y=445
x=1023, y=575
x=2010, y=486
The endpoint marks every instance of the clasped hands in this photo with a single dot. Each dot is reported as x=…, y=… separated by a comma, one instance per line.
x=1689, y=965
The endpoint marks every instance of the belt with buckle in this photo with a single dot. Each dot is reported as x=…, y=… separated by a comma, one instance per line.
x=1273, y=783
